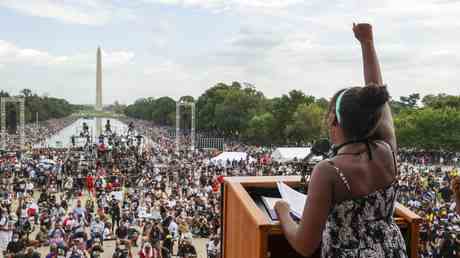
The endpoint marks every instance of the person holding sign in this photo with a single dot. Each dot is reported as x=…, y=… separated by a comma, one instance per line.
x=351, y=197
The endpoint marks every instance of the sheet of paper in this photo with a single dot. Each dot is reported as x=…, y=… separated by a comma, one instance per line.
x=270, y=202
x=295, y=199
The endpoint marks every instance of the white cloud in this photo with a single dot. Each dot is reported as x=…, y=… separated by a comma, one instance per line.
x=223, y=5
x=267, y=3
x=117, y=58
x=87, y=12
x=277, y=45
x=10, y=53
x=167, y=69
x=309, y=45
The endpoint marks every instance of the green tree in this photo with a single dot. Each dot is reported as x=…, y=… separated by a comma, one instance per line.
x=26, y=92
x=323, y=103
x=47, y=107
x=187, y=99
x=206, y=106
x=410, y=101
x=163, y=111
x=441, y=101
x=4, y=93
x=260, y=128
x=283, y=109
x=307, y=124
x=428, y=128
x=118, y=108
x=226, y=110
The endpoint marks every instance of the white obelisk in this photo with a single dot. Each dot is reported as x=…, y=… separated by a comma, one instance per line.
x=99, y=81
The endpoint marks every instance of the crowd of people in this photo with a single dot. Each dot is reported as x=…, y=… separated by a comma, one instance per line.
x=37, y=133
x=152, y=201
x=427, y=190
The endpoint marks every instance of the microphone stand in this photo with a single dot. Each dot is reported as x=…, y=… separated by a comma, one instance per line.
x=306, y=169
x=320, y=148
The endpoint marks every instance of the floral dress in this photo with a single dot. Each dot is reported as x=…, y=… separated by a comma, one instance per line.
x=364, y=227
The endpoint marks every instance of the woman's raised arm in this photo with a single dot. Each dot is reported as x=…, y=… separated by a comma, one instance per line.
x=373, y=78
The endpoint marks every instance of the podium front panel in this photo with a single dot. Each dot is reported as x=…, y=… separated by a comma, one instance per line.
x=241, y=231
x=248, y=231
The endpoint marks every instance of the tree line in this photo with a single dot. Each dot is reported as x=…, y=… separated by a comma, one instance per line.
x=433, y=125
x=46, y=107
x=245, y=113
x=242, y=112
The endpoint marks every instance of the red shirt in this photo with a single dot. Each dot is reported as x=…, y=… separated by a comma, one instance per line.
x=220, y=179
x=215, y=187
x=154, y=253
x=90, y=181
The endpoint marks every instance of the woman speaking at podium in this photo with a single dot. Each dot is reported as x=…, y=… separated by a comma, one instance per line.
x=351, y=197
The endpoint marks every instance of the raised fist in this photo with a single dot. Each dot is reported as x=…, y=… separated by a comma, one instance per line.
x=363, y=32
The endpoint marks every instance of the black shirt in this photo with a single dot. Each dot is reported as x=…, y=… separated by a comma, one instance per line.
x=115, y=211
x=186, y=250
x=15, y=247
x=32, y=255
x=122, y=232
x=446, y=193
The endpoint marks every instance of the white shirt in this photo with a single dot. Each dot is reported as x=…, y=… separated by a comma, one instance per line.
x=173, y=229
x=213, y=247
x=97, y=227
x=106, y=233
x=29, y=186
x=453, y=206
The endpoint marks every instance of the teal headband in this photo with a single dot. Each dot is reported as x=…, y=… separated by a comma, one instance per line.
x=337, y=105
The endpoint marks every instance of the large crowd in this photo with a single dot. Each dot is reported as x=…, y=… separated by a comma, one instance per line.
x=426, y=190
x=151, y=200
x=37, y=133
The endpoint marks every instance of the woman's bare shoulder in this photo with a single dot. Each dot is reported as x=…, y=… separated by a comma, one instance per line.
x=325, y=170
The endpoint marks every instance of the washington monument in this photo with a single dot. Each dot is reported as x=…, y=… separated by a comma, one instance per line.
x=99, y=81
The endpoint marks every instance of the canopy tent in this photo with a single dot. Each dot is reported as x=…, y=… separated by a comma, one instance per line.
x=222, y=158
x=288, y=154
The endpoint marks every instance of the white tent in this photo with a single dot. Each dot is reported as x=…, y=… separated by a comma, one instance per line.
x=288, y=154
x=222, y=158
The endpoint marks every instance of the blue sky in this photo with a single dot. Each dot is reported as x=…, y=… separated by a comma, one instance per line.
x=182, y=47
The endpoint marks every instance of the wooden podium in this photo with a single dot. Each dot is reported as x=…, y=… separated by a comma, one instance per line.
x=248, y=231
